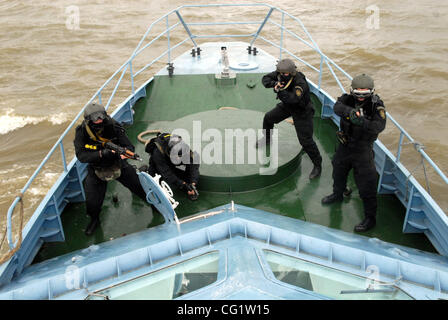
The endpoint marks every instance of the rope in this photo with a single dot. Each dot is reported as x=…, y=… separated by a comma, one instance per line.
x=139, y=137
x=8, y=255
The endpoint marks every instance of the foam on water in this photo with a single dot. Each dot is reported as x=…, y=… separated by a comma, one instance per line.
x=11, y=121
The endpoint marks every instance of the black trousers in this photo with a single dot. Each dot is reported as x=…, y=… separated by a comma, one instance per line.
x=95, y=188
x=363, y=165
x=303, y=124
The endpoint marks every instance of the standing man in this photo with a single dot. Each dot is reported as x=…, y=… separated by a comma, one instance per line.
x=292, y=89
x=363, y=117
x=104, y=164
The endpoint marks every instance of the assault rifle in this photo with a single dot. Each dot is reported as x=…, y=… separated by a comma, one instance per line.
x=122, y=151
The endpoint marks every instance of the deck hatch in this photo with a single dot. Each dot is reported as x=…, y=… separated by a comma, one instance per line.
x=329, y=282
x=168, y=283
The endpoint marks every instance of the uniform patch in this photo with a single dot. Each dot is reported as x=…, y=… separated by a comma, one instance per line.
x=298, y=91
x=382, y=113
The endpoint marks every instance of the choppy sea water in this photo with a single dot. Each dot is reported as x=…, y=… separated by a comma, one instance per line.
x=54, y=55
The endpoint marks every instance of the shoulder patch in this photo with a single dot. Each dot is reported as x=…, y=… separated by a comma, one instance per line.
x=382, y=112
x=299, y=91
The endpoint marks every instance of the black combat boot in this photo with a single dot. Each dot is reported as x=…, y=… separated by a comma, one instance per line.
x=366, y=224
x=332, y=198
x=262, y=142
x=317, y=170
x=347, y=192
x=94, y=223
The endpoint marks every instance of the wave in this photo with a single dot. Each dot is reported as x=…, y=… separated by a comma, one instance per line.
x=11, y=121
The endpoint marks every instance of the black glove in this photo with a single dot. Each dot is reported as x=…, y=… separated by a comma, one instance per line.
x=195, y=195
x=108, y=155
x=188, y=188
x=184, y=187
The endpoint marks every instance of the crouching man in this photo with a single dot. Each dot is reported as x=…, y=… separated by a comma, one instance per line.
x=173, y=159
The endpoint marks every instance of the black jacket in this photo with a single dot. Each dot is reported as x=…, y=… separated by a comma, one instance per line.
x=87, y=149
x=296, y=96
x=160, y=162
x=374, y=119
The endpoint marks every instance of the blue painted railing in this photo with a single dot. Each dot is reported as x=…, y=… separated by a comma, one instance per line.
x=124, y=112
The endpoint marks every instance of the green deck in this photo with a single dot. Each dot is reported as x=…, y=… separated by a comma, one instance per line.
x=169, y=99
x=229, y=158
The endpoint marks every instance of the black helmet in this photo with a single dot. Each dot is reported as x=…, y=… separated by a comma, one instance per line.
x=94, y=111
x=178, y=150
x=287, y=66
x=174, y=139
x=362, y=81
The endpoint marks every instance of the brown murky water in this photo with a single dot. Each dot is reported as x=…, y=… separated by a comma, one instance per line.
x=51, y=63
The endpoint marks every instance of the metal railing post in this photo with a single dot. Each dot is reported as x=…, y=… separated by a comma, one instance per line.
x=335, y=76
x=261, y=26
x=420, y=150
x=9, y=223
x=186, y=28
x=64, y=161
x=116, y=87
x=132, y=76
x=400, y=143
x=320, y=71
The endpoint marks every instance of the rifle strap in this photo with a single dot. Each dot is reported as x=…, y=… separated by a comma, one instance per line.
x=95, y=137
x=287, y=85
x=160, y=148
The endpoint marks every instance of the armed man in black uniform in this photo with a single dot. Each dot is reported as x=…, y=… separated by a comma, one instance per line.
x=97, y=131
x=363, y=117
x=168, y=155
x=293, y=91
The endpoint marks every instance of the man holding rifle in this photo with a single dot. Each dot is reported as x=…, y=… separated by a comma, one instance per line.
x=362, y=118
x=101, y=142
x=291, y=88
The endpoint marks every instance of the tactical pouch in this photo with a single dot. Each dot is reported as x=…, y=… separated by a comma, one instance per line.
x=342, y=137
x=108, y=173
